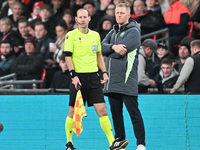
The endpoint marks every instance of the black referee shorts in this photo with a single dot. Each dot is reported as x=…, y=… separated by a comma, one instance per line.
x=91, y=89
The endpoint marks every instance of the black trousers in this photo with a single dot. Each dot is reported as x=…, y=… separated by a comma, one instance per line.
x=131, y=103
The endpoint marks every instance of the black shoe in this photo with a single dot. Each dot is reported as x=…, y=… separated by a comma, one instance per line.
x=69, y=146
x=117, y=145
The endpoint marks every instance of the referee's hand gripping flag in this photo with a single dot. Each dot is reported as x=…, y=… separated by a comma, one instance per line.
x=79, y=112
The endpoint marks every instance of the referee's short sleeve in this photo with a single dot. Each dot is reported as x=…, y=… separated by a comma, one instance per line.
x=68, y=46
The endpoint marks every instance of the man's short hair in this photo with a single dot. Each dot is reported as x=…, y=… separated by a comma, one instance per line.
x=22, y=19
x=40, y=23
x=124, y=5
x=195, y=43
x=68, y=11
x=167, y=61
x=18, y=3
x=62, y=57
x=47, y=7
x=6, y=42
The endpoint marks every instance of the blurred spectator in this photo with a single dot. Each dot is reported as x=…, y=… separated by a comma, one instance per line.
x=6, y=10
x=29, y=3
x=176, y=18
x=3, y=3
x=66, y=3
x=77, y=4
x=22, y=30
x=68, y=17
x=146, y=65
x=95, y=15
x=30, y=64
x=152, y=5
x=192, y=5
x=104, y=4
x=167, y=76
x=196, y=20
x=17, y=10
x=6, y=30
x=7, y=58
x=190, y=73
x=18, y=47
x=42, y=44
x=36, y=10
x=61, y=30
x=187, y=40
x=58, y=8
x=162, y=53
x=164, y=5
x=110, y=10
x=62, y=78
x=30, y=27
x=129, y=2
x=48, y=20
x=115, y=2
x=105, y=25
x=183, y=54
x=147, y=21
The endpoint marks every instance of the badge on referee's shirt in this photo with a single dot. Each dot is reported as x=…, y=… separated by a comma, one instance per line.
x=94, y=48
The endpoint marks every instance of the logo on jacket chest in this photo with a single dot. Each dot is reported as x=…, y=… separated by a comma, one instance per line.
x=122, y=34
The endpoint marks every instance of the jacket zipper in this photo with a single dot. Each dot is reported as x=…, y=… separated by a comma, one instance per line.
x=108, y=73
x=109, y=64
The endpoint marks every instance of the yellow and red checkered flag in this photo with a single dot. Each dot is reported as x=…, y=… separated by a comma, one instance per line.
x=79, y=112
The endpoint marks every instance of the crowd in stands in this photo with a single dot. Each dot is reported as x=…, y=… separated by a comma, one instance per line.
x=32, y=35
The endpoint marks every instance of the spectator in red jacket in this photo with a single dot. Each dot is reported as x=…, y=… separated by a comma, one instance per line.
x=176, y=18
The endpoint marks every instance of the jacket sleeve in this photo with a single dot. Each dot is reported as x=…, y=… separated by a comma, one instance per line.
x=33, y=67
x=106, y=44
x=15, y=64
x=7, y=65
x=132, y=39
x=184, y=74
x=143, y=80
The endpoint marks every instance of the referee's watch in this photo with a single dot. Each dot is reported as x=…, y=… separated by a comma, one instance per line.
x=105, y=72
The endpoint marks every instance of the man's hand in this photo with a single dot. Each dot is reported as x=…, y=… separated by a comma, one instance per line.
x=120, y=49
x=172, y=91
x=196, y=25
x=105, y=78
x=153, y=83
x=104, y=4
x=76, y=81
x=49, y=61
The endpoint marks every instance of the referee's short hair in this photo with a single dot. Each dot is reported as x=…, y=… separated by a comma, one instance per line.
x=82, y=9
